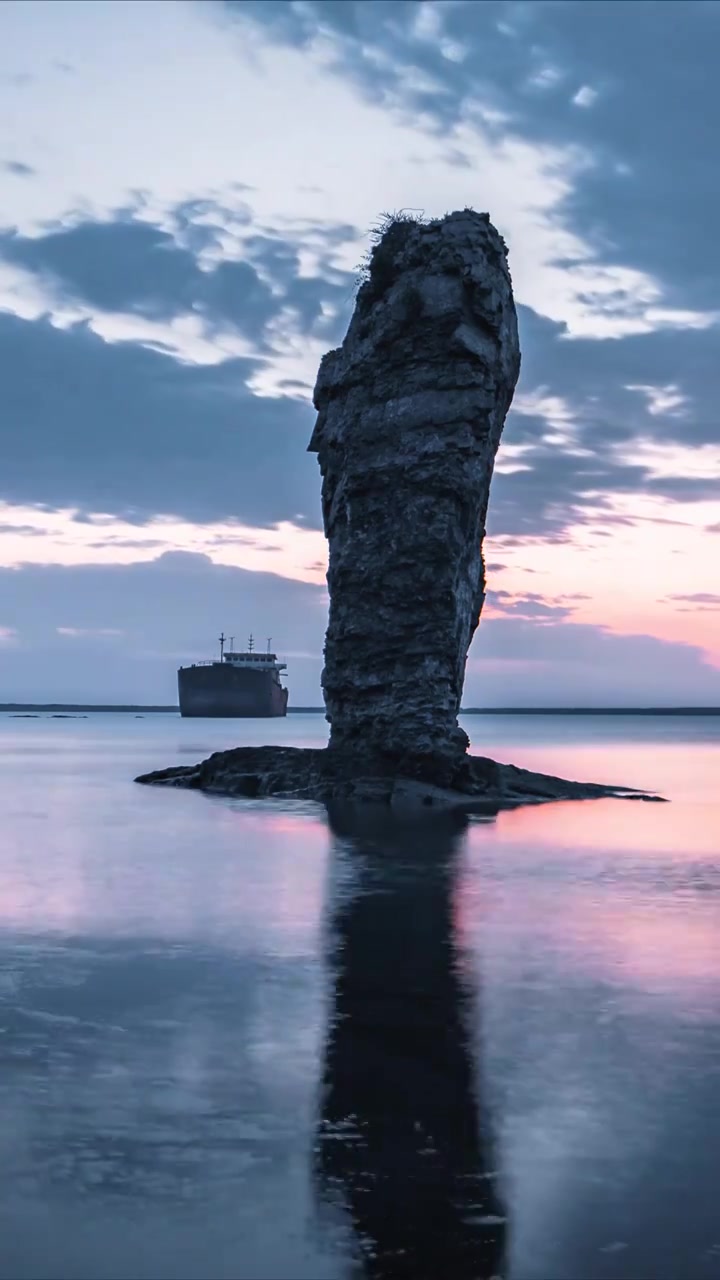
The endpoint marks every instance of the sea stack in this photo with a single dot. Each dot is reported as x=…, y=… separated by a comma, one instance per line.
x=411, y=409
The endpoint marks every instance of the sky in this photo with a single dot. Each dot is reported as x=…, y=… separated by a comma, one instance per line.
x=187, y=190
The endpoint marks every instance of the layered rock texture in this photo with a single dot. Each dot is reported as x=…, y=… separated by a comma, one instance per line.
x=411, y=408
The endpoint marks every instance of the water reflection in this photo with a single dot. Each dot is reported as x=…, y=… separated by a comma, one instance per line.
x=402, y=1138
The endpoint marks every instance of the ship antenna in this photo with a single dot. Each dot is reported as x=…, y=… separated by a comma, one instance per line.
x=222, y=644
x=251, y=644
x=232, y=643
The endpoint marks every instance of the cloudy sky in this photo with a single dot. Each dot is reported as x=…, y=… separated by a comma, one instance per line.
x=186, y=190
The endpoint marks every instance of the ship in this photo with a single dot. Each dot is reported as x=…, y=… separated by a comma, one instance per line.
x=236, y=684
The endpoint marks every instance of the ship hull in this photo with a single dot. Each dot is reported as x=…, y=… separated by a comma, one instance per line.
x=230, y=692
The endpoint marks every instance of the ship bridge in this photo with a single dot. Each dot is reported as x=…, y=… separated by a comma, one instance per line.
x=249, y=658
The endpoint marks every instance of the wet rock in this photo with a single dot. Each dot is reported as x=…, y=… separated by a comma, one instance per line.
x=479, y=786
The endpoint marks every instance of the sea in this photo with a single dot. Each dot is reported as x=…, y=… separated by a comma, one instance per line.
x=245, y=1040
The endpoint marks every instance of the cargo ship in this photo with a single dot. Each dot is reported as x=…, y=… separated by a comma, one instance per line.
x=238, y=684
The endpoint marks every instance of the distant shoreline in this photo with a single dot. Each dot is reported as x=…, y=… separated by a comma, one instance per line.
x=25, y=708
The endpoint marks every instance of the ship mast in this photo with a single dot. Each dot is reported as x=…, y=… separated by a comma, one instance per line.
x=269, y=643
x=251, y=644
x=222, y=644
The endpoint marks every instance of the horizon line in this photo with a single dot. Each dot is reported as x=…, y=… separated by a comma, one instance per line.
x=167, y=709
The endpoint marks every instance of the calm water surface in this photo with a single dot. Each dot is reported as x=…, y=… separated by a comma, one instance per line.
x=265, y=1043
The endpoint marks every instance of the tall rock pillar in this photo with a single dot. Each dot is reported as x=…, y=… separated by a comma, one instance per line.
x=410, y=412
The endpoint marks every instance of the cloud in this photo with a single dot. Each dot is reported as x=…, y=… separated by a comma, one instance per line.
x=668, y=399
x=119, y=428
x=591, y=381
x=558, y=490
x=78, y=632
x=119, y=632
x=617, y=201
x=128, y=627
x=533, y=605
x=17, y=168
x=131, y=266
x=128, y=265
x=212, y=449
x=516, y=661
x=536, y=610
x=585, y=96
x=582, y=434
x=698, y=597
x=262, y=296
x=545, y=78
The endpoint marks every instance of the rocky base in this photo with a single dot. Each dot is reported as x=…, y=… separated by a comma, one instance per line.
x=469, y=784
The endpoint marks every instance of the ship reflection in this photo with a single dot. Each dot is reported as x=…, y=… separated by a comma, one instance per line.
x=402, y=1141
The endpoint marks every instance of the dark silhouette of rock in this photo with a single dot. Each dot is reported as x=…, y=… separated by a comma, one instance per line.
x=479, y=785
x=403, y=1137
x=411, y=408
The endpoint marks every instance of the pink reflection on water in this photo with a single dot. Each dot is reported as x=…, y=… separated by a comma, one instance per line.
x=177, y=867
x=621, y=826
x=660, y=947
x=622, y=892
x=679, y=771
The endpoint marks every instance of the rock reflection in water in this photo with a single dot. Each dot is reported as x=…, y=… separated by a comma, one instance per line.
x=402, y=1139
